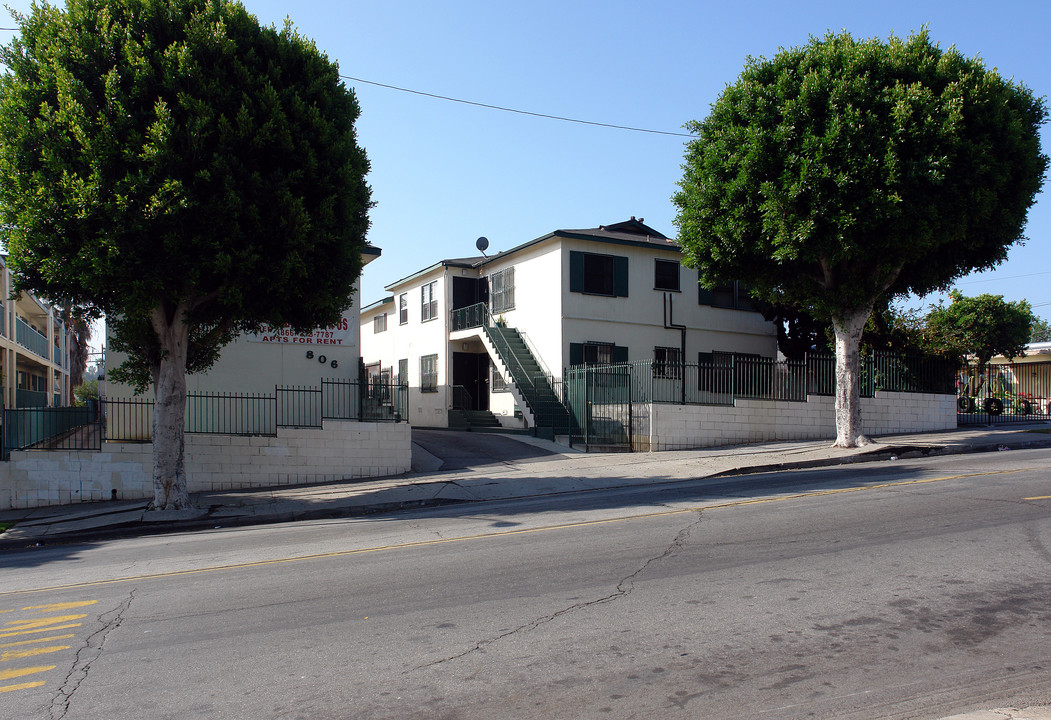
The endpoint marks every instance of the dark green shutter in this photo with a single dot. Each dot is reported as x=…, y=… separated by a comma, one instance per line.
x=576, y=271
x=620, y=276
x=620, y=354
x=576, y=353
x=704, y=295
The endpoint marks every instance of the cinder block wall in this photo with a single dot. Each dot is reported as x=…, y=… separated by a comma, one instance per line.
x=682, y=427
x=296, y=456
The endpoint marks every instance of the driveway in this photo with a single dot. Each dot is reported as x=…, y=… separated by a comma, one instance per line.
x=466, y=450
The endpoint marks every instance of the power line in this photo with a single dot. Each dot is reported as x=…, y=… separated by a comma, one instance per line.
x=513, y=110
x=1009, y=277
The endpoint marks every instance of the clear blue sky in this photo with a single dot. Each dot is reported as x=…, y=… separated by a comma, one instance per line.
x=444, y=173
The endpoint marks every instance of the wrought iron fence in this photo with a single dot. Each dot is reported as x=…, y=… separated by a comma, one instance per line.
x=728, y=378
x=131, y=419
x=71, y=428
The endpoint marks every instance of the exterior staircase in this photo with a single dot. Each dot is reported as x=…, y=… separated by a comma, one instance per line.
x=534, y=387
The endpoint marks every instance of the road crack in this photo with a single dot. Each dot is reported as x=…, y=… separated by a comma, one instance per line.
x=622, y=590
x=86, y=656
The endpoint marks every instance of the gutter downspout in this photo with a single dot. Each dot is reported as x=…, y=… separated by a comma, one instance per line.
x=670, y=325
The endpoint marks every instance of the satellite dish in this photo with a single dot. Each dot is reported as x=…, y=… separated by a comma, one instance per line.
x=482, y=244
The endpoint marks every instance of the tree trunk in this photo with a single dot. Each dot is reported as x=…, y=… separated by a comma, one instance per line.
x=848, y=328
x=169, y=468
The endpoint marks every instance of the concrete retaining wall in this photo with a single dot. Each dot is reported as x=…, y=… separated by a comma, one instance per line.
x=296, y=456
x=681, y=427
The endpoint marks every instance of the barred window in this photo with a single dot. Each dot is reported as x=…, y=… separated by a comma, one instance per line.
x=502, y=290
x=667, y=362
x=498, y=383
x=429, y=373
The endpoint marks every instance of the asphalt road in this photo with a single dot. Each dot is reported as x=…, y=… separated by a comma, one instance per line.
x=895, y=590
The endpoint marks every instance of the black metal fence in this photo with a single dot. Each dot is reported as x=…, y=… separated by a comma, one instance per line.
x=731, y=377
x=1011, y=392
x=604, y=401
x=131, y=419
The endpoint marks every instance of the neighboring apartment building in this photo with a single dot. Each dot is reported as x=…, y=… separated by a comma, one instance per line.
x=35, y=348
x=615, y=293
x=258, y=363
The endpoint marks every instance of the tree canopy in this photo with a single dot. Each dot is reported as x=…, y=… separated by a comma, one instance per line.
x=174, y=164
x=980, y=327
x=1041, y=331
x=846, y=171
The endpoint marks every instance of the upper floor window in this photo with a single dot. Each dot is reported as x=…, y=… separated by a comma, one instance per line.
x=502, y=290
x=429, y=298
x=403, y=308
x=379, y=323
x=666, y=275
x=596, y=274
x=733, y=295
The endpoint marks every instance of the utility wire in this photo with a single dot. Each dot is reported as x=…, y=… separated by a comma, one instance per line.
x=1009, y=277
x=512, y=110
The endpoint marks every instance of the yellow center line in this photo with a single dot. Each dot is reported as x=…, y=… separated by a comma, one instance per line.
x=1039, y=497
x=502, y=533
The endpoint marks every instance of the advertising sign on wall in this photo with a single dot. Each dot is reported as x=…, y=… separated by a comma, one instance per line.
x=338, y=334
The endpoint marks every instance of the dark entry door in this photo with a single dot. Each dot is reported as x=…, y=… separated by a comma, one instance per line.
x=471, y=370
x=469, y=291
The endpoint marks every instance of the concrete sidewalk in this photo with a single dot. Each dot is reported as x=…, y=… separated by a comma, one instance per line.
x=563, y=471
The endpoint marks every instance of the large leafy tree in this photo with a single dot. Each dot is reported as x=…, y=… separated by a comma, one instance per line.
x=980, y=327
x=846, y=171
x=184, y=170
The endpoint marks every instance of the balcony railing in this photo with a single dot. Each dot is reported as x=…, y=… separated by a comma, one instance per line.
x=30, y=338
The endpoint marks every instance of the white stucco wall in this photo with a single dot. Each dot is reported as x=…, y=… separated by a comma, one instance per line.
x=682, y=427
x=412, y=341
x=296, y=456
x=246, y=366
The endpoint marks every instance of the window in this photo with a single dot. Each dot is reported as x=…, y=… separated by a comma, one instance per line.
x=502, y=290
x=497, y=384
x=429, y=298
x=379, y=323
x=429, y=373
x=403, y=308
x=594, y=274
x=744, y=300
x=403, y=372
x=666, y=275
x=733, y=295
x=667, y=362
x=597, y=353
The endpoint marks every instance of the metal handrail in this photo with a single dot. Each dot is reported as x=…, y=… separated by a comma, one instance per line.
x=462, y=398
x=532, y=349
